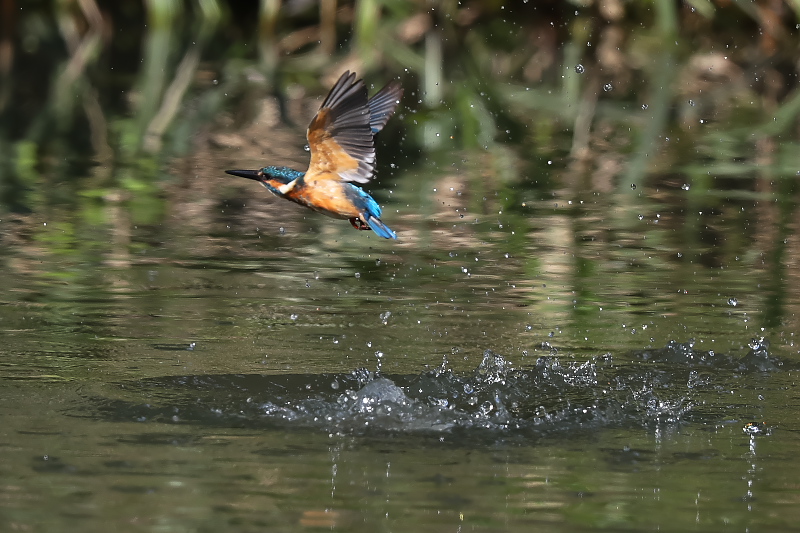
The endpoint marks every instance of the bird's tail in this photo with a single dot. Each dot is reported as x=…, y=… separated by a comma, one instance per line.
x=381, y=229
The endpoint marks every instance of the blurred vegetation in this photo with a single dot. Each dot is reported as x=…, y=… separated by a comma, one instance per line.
x=98, y=99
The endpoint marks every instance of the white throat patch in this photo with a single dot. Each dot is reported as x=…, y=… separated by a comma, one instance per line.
x=288, y=187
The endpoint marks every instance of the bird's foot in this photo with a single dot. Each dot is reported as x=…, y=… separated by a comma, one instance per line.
x=359, y=224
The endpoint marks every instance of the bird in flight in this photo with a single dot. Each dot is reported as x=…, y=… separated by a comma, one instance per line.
x=341, y=139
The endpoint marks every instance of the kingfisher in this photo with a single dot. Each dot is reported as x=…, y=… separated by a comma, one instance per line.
x=341, y=138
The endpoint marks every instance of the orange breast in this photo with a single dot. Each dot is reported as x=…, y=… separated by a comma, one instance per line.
x=327, y=195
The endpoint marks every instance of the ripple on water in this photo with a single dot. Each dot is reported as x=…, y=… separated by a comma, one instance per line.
x=553, y=395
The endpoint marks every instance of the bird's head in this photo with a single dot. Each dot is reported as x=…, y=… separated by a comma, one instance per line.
x=270, y=177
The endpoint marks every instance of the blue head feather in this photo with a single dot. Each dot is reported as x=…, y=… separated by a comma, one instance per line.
x=282, y=174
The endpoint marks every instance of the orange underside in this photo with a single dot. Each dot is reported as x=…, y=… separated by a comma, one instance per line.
x=326, y=195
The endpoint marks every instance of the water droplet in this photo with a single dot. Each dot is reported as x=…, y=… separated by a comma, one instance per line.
x=282, y=230
x=607, y=87
x=758, y=343
x=691, y=103
x=640, y=217
x=307, y=148
x=293, y=316
x=633, y=186
x=580, y=69
x=377, y=262
x=358, y=274
x=685, y=186
x=733, y=302
x=644, y=107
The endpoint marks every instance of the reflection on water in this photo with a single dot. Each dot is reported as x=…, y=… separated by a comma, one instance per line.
x=518, y=358
x=221, y=373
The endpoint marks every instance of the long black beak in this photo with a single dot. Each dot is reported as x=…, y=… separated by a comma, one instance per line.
x=249, y=174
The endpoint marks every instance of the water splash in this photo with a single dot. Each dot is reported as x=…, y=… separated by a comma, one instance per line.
x=758, y=358
x=555, y=394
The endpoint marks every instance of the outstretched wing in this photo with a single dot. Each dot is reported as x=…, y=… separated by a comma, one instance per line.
x=382, y=105
x=341, y=134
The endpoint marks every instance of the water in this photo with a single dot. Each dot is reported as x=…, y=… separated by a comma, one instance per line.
x=548, y=360
x=598, y=443
x=543, y=365
x=237, y=378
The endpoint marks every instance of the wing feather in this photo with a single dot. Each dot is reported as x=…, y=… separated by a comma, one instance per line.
x=382, y=105
x=341, y=134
